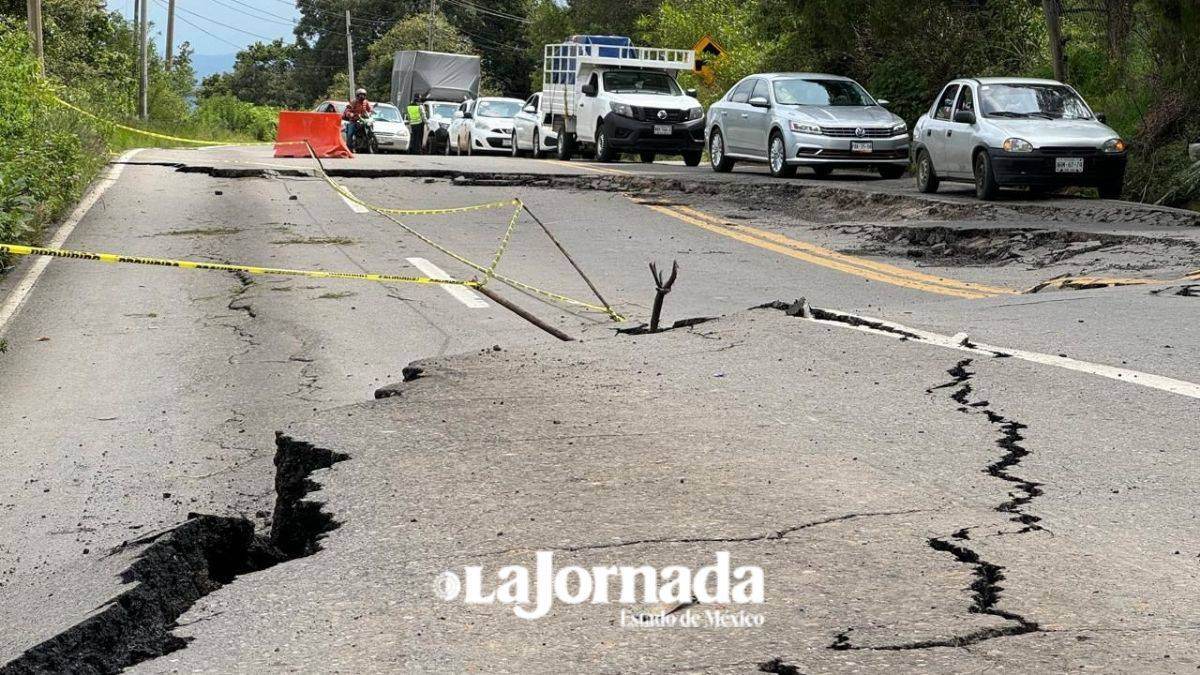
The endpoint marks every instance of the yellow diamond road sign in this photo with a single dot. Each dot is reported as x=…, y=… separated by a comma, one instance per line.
x=707, y=51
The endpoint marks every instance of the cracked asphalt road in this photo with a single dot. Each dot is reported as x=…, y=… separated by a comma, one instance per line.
x=136, y=395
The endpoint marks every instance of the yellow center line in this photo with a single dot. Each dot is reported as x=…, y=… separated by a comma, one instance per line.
x=823, y=261
x=849, y=259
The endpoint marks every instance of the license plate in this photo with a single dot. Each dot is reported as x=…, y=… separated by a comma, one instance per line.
x=1068, y=165
x=861, y=146
x=662, y=129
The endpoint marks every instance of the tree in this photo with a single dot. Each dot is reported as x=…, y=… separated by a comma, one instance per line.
x=264, y=74
x=411, y=33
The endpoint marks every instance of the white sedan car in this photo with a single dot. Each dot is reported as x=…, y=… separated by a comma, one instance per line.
x=390, y=129
x=484, y=125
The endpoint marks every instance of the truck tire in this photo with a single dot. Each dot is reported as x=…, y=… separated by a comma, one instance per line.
x=604, y=149
x=693, y=157
x=566, y=147
x=647, y=157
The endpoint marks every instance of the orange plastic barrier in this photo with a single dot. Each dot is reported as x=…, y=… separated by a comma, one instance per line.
x=323, y=131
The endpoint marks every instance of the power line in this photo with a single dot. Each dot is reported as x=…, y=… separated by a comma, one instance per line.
x=492, y=12
x=284, y=20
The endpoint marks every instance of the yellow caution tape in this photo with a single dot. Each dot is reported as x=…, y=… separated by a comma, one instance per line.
x=17, y=249
x=152, y=134
x=489, y=272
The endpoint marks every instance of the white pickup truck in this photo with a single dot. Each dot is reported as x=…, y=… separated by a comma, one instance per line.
x=606, y=95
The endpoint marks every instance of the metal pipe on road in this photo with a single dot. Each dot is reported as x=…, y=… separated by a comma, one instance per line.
x=503, y=302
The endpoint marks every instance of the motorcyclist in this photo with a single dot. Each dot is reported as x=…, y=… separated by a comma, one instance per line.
x=357, y=109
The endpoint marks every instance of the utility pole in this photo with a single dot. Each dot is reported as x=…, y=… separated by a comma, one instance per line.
x=429, y=46
x=34, y=8
x=170, y=34
x=350, y=56
x=144, y=66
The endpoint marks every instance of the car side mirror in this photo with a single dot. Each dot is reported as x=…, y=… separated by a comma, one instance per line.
x=588, y=89
x=759, y=102
x=964, y=117
x=1101, y=118
x=467, y=116
x=529, y=109
x=690, y=92
x=883, y=102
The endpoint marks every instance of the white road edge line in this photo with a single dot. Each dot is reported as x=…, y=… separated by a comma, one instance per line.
x=12, y=304
x=463, y=294
x=354, y=206
x=1160, y=382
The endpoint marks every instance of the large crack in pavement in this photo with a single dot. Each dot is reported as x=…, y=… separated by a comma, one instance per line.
x=985, y=589
x=181, y=565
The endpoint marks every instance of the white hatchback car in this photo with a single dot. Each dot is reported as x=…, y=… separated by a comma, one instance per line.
x=532, y=130
x=484, y=125
x=1001, y=132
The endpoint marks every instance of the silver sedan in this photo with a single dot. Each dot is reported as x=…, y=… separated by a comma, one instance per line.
x=805, y=119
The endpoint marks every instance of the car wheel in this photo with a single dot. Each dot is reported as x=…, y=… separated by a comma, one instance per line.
x=470, y=144
x=777, y=157
x=927, y=179
x=822, y=171
x=566, y=147
x=604, y=150
x=1110, y=189
x=892, y=172
x=716, y=153
x=693, y=157
x=538, y=153
x=985, y=181
x=516, y=151
x=648, y=157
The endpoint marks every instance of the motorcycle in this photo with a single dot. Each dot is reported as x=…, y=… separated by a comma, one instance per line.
x=364, y=139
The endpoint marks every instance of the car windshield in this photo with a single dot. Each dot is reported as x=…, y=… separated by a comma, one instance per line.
x=446, y=110
x=498, y=108
x=387, y=113
x=640, y=82
x=821, y=92
x=1041, y=101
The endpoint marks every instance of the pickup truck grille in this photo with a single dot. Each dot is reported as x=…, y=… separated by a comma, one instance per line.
x=852, y=132
x=651, y=115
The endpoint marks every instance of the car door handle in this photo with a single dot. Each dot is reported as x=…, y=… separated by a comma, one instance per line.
x=949, y=133
x=745, y=116
x=929, y=132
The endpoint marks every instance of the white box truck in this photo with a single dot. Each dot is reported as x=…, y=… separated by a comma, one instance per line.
x=606, y=95
x=443, y=81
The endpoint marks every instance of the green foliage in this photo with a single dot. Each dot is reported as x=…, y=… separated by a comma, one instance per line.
x=263, y=74
x=227, y=115
x=411, y=33
x=46, y=154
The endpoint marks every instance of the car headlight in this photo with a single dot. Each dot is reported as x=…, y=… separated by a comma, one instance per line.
x=1017, y=145
x=804, y=128
x=622, y=109
x=901, y=128
x=1114, y=146
x=695, y=113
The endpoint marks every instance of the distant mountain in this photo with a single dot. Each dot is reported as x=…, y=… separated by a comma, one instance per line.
x=207, y=64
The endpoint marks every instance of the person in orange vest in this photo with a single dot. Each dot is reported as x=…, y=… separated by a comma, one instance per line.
x=357, y=109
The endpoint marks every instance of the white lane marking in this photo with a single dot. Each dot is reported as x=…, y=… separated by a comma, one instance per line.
x=463, y=294
x=22, y=290
x=354, y=206
x=1160, y=382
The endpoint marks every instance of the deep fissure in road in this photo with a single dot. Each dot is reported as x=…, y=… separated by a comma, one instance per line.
x=182, y=565
x=986, y=588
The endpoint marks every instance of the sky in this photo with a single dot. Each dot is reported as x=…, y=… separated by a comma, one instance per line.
x=218, y=27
